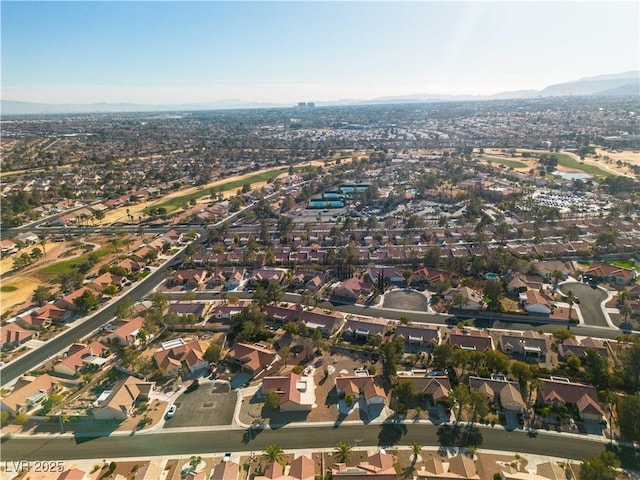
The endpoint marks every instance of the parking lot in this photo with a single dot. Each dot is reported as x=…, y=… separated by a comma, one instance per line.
x=211, y=404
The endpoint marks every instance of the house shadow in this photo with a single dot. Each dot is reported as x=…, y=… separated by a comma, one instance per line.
x=371, y=412
x=339, y=419
x=277, y=419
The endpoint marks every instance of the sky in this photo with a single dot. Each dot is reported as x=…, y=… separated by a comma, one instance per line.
x=275, y=52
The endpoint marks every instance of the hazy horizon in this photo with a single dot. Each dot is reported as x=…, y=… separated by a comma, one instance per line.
x=285, y=52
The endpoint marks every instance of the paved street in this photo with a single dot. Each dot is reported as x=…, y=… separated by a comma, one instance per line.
x=199, y=442
x=211, y=404
x=590, y=300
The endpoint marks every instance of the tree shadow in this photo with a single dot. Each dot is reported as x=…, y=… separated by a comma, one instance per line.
x=457, y=436
x=391, y=433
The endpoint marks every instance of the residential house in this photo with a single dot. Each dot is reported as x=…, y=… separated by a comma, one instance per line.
x=79, y=356
x=193, y=278
x=295, y=392
x=28, y=394
x=265, y=275
x=379, y=466
x=572, y=346
x=177, y=356
x=28, y=238
x=558, y=391
x=473, y=297
x=419, y=335
x=363, y=328
x=433, y=388
x=317, y=318
x=72, y=474
x=228, y=310
x=103, y=281
x=252, y=358
x=310, y=280
x=434, y=276
x=500, y=391
x=68, y=301
x=13, y=335
x=350, y=290
x=551, y=470
x=387, y=274
x=44, y=316
x=603, y=272
x=226, y=471
x=182, y=309
x=548, y=267
x=527, y=344
x=8, y=247
x=127, y=331
x=172, y=236
x=130, y=266
x=119, y=402
x=362, y=384
x=535, y=302
x=302, y=468
x=468, y=339
x=229, y=278
x=461, y=467
x=520, y=283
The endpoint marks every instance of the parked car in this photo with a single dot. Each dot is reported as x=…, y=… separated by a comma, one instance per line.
x=192, y=386
x=172, y=411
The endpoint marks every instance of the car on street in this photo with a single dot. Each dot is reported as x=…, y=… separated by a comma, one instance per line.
x=172, y=411
x=192, y=386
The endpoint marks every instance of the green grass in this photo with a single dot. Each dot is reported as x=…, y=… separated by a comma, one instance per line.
x=506, y=162
x=175, y=203
x=568, y=161
x=625, y=264
x=8, y=288
x=65, y=266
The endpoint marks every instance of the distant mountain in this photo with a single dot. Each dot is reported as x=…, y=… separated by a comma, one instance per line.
x=620, y=84
x=594, y=85
x=12, y=107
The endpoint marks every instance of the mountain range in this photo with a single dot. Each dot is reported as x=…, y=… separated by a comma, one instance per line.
x=621, y=84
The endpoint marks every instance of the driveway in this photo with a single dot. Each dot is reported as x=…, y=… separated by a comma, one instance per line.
x=590, y=300
x=211, y=404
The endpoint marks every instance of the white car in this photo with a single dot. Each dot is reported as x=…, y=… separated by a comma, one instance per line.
x=172, y=411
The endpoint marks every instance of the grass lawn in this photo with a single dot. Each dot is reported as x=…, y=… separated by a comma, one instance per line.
x=568, y=161
x=65, y=266
x=506, y=162
x=175, y=203
x=8, y=288
x=622, y=264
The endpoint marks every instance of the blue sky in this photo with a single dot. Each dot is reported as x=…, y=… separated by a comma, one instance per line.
x=176, y=52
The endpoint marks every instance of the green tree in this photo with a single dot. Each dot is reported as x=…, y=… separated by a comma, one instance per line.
x=41, y=295
x=213, y=353
x=285, y=354
x=87, y=301
x=460, y=397
x=271, y=399
x=601, y=467
x=406, y=392
x=343, y=452
x=629, y=417
x=273, y=453
x=110, y=290
x=194, y=461
x=416, y=448
x=521, y=371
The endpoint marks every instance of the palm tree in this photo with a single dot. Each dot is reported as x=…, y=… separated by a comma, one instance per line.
x=273, y=453
x=415, y=449
x=571, y=299
x=343, y=452
x=556, y=275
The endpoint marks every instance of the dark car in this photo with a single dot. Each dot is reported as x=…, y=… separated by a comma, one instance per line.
x=192, y=386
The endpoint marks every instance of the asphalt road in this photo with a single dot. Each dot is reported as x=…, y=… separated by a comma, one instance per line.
x=211, y=404
x=190, y=443
x=36, y=357
x=590, y=299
